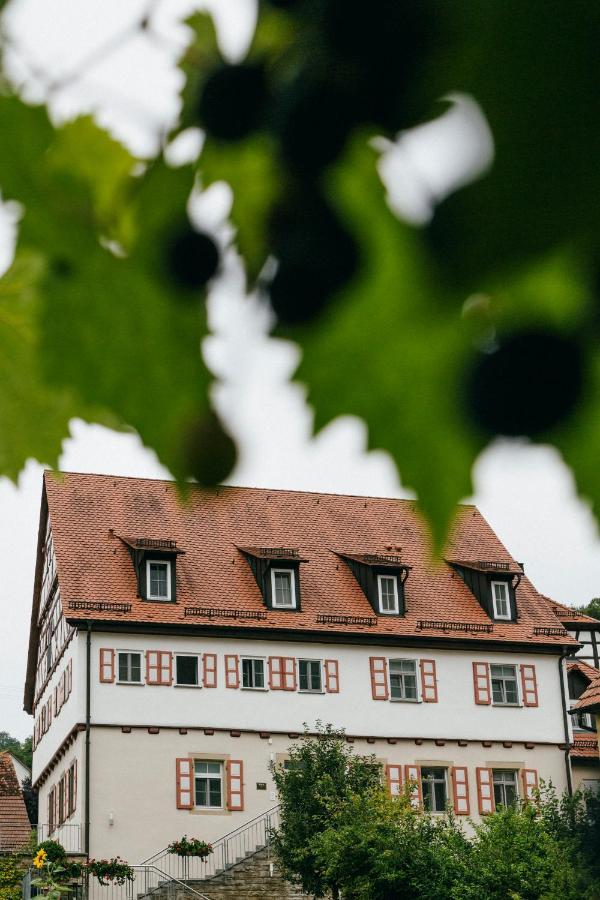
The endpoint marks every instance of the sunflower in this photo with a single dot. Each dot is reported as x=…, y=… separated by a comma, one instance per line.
x=40, y=858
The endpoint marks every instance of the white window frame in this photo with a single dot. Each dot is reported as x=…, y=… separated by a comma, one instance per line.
x=416, y=699
x=220, y=776
x=436, y=812
x=388, y=612
x=497, y=615
x=158, y=562
x=118, y=667
x=515, y=774
x=253, y=659
x=198, y=657
x=518, y=701
x=311, y=690
x=292, y=575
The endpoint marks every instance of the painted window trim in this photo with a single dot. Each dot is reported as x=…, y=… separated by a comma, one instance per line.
x=519, y=701
x=140, y=653
x=222, y=778
x=288, y=571
x=322, y=673
x=388, y=612
x=418, y=698
x=265, y=673
x=508, y=616
x=149, y=594
x=199, y=672
x=437, y=812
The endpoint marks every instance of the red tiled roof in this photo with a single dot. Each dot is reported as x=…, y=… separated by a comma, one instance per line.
x=570, y=616
x=585, y=745
x=87, y=512
x=590, y=699
x=15, y=829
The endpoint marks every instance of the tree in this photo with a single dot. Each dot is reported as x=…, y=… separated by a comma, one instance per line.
x=482, y=321
x=322, y=773
x=21, y=749
x=591, y=609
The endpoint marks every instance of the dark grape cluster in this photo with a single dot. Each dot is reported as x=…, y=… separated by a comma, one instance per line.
x=192, y=258
x=209, y=451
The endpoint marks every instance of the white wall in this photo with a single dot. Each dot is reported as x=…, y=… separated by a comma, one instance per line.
x=72, y=830
x=455, y=715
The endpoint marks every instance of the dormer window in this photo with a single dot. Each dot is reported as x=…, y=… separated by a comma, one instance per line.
x=501, y=600
x=158, y=579
x=283, y=589
x=387, y=589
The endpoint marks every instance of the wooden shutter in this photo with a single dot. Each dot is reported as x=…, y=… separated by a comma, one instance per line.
x=107, y=665
x=529, y=778
x=485, y=791
x=275, y=673
x=429, y=693
x=49, y=711
x=332, y=676
x=70, y=675
x=152, y=667
x=184, y=779
x=379, y=677
x=67, y=797
x=232, y=671
x=43, y=719
x=74, y=798
x=209, y=670
x=393, y=776
x=481, y=683
x=460, y=790
x=288, y=667
x=235, y=784
x=56, y=707
x=165, y=660
x=529, y=686
x=412, y=776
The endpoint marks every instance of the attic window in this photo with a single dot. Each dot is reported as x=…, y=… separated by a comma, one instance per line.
x=155, y=564
x=283, y=590
x=381, y=578
x=501, y=600
x=158, y=579
x=387, y=589
x=277, y=574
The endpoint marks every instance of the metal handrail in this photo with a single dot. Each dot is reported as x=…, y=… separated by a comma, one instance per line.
x=169, y=878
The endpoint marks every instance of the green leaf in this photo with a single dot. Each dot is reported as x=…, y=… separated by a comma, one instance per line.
x=391, y=349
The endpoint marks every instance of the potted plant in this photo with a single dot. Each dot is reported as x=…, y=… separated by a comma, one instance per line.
x=190, y=847
x=110, y=870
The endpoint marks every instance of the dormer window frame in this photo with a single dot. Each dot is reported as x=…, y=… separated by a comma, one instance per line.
x=369, y=569
x=167, y=563
x=144, y=552
x=480, y=578
x=282, y=570
x=507, y=617
x=381, y=576
x=265, y=563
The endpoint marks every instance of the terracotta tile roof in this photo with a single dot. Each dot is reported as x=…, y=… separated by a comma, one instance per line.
x=15, y=829
x=88, y=512
x=590, y=699
x=585, y=745
x=569, y=616
x=578, y=665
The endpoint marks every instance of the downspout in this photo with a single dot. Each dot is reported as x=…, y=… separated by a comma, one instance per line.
x=87, y=736
x=561, y=679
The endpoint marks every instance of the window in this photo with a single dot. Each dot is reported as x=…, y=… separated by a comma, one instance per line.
x=504, y=685
x=186, y=671
x=283, y=588
x=208, y=783
x=61, y=800
x=501, y=600
x=158, y=579
x=253, y=673
x=309, y=672
x=72, y=786
x=505, y=787
x=583, y=721
x=387, y=586
x=51, y=808
x=403, y=679
x=435, y=789
x=130, y=667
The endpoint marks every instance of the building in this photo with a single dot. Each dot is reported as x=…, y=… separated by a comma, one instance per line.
x=15, y=830
x=585, y=629
x=177, y=647
x=584, y=694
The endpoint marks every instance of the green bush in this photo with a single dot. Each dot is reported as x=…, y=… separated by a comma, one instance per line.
x=12, y=870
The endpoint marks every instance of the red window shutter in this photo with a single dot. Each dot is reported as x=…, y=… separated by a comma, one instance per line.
x=74, y=797
x=209, y=670
x=460, y=790
x=529, y=686
x=288, y=667
x=166, y=667
x=232, y=671
x=393, y=776
x=412, y=776
x=67, y=797
x=184, y=778
x=332, y=676
x=481, y=683
x=56, y=709
x=49, y=712
x=485, y=791
x=43, y=720
x=429, y=693
x=152, y=667
x=235, y=784
x=379, y=677
x=275, y=673
x=69, y=677
x=107, y=665
x=529, y=778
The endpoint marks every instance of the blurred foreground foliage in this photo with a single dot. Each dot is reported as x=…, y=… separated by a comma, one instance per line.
x=483, y=322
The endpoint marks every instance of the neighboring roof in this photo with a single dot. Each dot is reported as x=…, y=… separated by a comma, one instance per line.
x=585, y=746
x=569, y=616
x=15, y=829
x=590, y=699
x=578, y=665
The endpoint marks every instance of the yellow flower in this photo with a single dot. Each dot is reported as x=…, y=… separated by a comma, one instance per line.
x=40, y=859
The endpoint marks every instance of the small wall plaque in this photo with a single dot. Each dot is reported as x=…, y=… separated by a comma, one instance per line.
x=261, y=785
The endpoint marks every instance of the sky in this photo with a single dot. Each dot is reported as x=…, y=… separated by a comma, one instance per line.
x=526, y=492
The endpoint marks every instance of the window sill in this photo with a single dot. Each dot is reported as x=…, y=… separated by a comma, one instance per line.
x=132, y=683
x=196, y=686
x=308, y=691
x=508, y=705
x=157, y=600
x=404, y=700
x=261, y=690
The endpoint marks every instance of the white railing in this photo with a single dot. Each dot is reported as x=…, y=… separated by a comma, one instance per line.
x=69, y=836
x=227, y=851
x=146, y=880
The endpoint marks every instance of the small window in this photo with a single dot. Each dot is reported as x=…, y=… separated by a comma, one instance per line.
x=387, y=586
x=583, y=721
x=283, y=588
x=158, y=579
x=130, y=667
x=71, y=791
x=501, y=600
x=505, y=691
x=505, y=787
x=435, y=789
x=403, y=679
x=61, y=801
x=208, y=778
x=309, y=675
x=186, y=671
x=253, y=673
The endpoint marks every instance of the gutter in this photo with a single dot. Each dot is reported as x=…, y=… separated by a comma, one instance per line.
x=88, y=648
x=561, y=679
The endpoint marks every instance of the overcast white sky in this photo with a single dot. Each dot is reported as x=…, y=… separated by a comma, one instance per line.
x=525, y=492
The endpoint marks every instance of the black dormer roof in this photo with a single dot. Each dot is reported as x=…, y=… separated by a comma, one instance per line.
x=478, y=575
x=367, y=566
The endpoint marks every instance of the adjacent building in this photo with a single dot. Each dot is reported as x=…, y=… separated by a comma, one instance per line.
x=179, y=645
x=15, y=829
